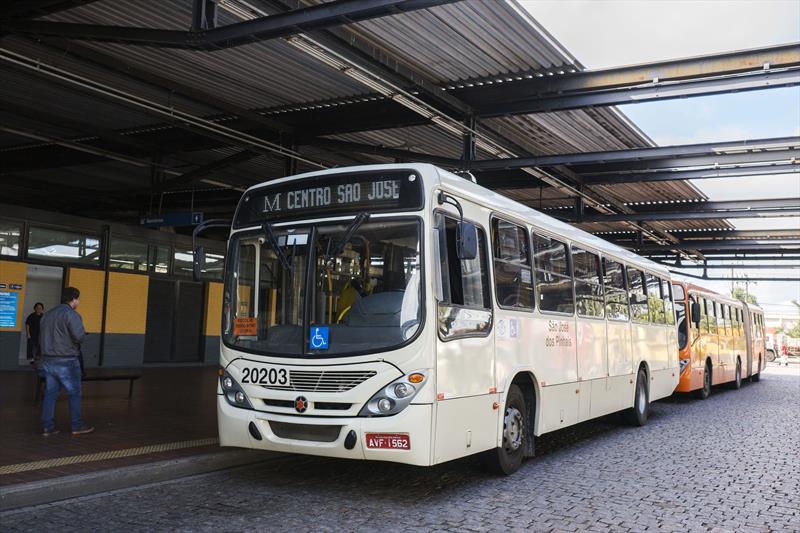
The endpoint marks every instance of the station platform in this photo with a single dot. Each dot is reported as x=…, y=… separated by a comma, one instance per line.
x=171, y=414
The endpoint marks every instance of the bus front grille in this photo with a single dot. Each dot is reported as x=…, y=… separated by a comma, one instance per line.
x=310, y=432
x=323, y=380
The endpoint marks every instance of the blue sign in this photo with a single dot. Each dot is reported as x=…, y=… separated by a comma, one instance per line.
x=9, y=303
x=318, y=338
x=172, y=219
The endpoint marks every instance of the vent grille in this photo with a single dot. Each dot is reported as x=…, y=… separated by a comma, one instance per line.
x=324, y=380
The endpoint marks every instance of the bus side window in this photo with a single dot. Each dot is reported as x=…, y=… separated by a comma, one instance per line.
x=693, y=324
x=740, y=315
x=719, y=324
x=615, y=291
x=655, y=300
x=588, y=283
x=553, y=275
x=669, y=311
x=639, y=308
x=705, y=322
x=726, y=317
x=465, y=308
x=513, y=277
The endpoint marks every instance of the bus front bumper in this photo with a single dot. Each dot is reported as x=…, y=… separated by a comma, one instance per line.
x=326, y=436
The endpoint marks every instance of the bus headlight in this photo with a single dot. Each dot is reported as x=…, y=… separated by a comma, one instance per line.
x=233, y=392
x=683, y=364
x=395, y=396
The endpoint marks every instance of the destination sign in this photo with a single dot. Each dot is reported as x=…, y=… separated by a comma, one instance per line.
x=338, y=194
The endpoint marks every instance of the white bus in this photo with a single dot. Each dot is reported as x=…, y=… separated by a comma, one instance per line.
x=403, y=313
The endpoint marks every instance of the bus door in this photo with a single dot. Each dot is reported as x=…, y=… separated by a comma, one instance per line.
x=592, y=354
x=465, y=373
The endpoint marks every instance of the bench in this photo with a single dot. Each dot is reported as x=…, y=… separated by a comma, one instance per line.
x=115, y=376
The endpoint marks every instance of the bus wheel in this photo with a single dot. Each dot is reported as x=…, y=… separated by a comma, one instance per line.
x=755, y=378
x=637, y=415
x=508, y=458
x=737, y=383
x=705, y=392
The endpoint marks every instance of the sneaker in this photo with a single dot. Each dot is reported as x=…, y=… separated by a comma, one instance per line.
x=46, y=433
x=83, y=430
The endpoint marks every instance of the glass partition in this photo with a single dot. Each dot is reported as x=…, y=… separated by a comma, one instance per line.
x=64, y=246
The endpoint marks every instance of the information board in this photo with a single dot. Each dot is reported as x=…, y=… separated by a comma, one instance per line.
x=9, y=303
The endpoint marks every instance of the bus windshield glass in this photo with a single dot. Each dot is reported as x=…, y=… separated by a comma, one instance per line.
x=361, y=295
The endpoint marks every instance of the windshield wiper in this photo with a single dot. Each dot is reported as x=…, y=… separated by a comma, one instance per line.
x=348, y=234
x=273, y=242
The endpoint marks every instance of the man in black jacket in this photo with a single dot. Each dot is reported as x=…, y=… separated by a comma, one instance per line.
x=61, y=333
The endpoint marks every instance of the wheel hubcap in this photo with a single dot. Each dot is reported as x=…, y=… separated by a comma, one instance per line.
x=513, y=431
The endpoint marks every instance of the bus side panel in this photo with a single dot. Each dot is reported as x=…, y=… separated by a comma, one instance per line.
x=656, y=352
x=619, y=348
x=592, y=356
x=465, y=419
x=641, y=346
x=593, y=368
x=554, y=350
x=559, y=407
x=663, y=383
x=620, y=364
x=465, y=426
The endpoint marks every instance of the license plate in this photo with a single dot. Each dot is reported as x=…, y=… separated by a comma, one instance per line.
x=391, y=441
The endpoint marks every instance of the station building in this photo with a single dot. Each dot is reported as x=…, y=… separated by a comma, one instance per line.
x=139, y=303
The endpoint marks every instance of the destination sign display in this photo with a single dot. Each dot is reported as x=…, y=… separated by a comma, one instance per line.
x=338, y=194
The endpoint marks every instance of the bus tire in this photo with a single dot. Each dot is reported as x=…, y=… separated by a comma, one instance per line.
x=507, y=459
x=770, y=356
x=705, y=392
x=755, y=378
x=637, y=415
x=736, y=384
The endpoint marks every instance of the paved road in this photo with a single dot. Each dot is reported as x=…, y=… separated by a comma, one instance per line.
x=693, y=468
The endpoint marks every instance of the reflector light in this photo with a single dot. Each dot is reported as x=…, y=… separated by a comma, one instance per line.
x=416, y=378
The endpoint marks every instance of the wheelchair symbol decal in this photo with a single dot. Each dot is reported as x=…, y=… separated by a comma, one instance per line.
x=318, y=338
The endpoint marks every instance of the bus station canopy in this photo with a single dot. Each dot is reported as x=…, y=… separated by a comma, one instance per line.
x=116, y=109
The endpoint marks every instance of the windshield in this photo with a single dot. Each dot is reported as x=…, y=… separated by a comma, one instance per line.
x=364, y=292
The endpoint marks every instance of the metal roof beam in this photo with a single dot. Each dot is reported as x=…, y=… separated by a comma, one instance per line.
x=677, y=175
x=686, y=215
x=740, y=244
x=639, y=95
x=728, y=267
x=692, y=76
x=718, y=149
x=714, y=161
x=753, y=255
x=687, y=236
x=259, y=29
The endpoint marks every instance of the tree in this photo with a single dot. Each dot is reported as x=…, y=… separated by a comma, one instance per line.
x=794, y=331
x=740, y=294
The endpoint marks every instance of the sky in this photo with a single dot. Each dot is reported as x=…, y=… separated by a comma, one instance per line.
x=609, y=33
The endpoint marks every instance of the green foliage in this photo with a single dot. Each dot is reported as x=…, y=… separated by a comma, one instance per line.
x=740, y=294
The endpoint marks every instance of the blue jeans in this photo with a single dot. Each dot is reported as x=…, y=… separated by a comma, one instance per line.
x=61, y=372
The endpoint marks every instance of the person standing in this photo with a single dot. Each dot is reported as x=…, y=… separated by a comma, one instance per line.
x=32, y=330
x=61, y=333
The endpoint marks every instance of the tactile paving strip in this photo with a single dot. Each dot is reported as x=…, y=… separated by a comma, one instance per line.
x=103, y=456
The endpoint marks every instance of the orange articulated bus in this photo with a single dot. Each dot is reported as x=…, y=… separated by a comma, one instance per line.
x=720, y=339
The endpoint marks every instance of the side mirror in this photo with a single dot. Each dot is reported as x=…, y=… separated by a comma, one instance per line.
x=466, y=241
x=198, y=262
x=695, y=310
